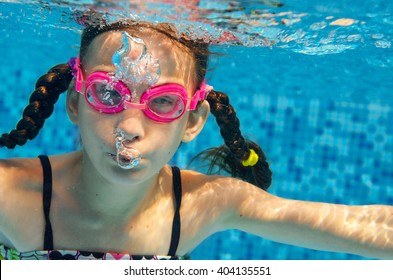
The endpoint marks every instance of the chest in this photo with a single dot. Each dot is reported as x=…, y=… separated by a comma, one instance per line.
x=148, y=231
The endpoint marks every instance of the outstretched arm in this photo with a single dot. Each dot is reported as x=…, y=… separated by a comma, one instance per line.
x=361, y=230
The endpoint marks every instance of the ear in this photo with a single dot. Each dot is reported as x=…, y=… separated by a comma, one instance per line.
x=196, y=121
x=72, y=103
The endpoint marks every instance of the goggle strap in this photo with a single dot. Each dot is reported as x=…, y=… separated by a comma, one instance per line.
x=200, y=94
x=76, y=72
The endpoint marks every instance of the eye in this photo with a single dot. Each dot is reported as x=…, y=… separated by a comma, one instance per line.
x=164, y=100
x=165, y=104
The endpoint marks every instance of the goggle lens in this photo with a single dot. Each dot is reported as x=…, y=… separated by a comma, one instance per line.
x=103, y=95
x=166, y=105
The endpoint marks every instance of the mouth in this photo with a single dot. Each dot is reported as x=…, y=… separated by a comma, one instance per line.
x=126, y=160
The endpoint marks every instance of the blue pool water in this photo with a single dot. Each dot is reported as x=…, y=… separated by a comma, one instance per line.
x=311, y=83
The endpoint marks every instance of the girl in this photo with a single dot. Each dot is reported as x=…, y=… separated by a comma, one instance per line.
x=137, y=91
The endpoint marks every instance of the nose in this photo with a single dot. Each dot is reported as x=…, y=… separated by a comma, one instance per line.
x=130, y=126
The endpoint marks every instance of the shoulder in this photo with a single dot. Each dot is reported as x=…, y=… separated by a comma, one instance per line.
x=235, y=200
x=225, y=196
x=27, y=173
x=21, y=178
x=20, y=188
x=214, y=203
x=19, y=173
x=231, y=188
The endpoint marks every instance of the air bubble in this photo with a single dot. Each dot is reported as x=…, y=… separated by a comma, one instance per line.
x=126, y=156
x=134, y=63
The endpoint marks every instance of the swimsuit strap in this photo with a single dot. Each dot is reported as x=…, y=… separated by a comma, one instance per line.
x=177, y=189
x=47, y=197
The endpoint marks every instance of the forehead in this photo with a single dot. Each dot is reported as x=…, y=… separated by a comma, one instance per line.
x=175, y=60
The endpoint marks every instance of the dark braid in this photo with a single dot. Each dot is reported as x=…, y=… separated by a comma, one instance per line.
x=229, y=157
x=47, y=90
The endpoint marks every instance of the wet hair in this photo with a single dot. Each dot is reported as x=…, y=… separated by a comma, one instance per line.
x=41, y=104
x=228, y=157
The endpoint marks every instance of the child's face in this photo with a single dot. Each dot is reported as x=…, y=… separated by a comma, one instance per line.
x=157, y=142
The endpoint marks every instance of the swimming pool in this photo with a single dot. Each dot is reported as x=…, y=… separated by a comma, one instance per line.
x=310, y=82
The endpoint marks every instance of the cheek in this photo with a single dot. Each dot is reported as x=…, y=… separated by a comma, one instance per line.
x=95, y=129
x=170, y=135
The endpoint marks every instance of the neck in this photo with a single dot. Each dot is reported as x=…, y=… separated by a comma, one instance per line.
x=102, y=198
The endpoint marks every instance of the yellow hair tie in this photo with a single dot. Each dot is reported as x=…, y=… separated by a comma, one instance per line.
x=252, y=159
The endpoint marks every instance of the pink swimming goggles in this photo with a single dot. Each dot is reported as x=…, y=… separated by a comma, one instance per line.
x=164, y=103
